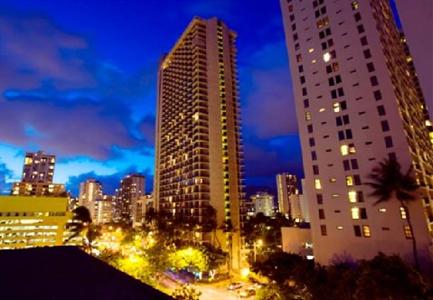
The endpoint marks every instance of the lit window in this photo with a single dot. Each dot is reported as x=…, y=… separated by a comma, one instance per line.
x=195, y=117
x=336, y=106
x=326, y=57
x=332, y=180
x=313, y=61
x=403, y=213
x=311, y=50
x=344, y=149
x=352, y=196
x=349, y=180
x=407, y=232
x=366, y=231
x=322, y=109
x=355, y=5
x=317, y=184
x=355, y=213
x=307, y=116
x=340, y=227
x=382, y=210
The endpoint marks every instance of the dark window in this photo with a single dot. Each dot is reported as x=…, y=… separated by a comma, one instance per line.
x=357, y=16
x=363, y=213
x=337, y=79
x=323, y=230
x=388, y=142
x=374, y=81
x=361, y=29
x=310, y=128
x=306, y=103
x=341, y=135
x=313, y=155
x=302, y=79
x=385, y=125
x=370, y=67
x=321, y=214
x=360, y=196
x=315, y=169
x=357, y=230
x=354, y=164
x=301, y=68
x=312, y=142
x=328, y=69
x=319, y=198
x=295, y=37
x=381, y=110
x=392, y=156
x=377, y=95
x=338, y=121
x=334, y=94
x=364, y=41
x=357, y=179
x=331, y=81
x=343, y=105
x=340, y=92
x=367, y=53
x=346, y=119
x=346, y=165
x=349, y=134
x=304, y=91
x=321, y=34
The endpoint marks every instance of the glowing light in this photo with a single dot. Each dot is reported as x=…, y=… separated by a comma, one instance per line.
x=326, y=57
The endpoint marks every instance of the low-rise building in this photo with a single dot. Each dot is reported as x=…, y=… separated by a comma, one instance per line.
x=297, y=240
x=27, y=222
x=38, y=189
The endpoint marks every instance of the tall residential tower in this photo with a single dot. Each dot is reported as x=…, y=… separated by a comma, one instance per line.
x=357, y=104
x=198, y=144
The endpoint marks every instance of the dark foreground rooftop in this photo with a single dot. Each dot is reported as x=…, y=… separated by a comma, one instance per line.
x=66, y=273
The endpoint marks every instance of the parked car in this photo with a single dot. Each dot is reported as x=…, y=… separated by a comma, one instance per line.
x=235, y=286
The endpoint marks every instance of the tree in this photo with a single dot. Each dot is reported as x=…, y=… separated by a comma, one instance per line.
x=388, y=277
x=186, y=292
x=388, y=182
x=81, y=225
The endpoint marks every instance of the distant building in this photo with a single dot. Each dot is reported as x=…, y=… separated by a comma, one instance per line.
x=32, y=222
x=38, y=167
x=132, y=187
x=297, y=240
x=90, y=192
x=104, y=209
x=286, y=187
x=263, y=203
x=143, y=204
x=37, y=177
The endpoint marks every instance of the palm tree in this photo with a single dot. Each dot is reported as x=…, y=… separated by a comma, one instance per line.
x=81, y=225
x=388, y=182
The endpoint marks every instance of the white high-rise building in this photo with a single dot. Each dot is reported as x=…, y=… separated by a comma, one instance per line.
x=286, y=187
x=263, y=203
x=357, y=104
x=90, y=192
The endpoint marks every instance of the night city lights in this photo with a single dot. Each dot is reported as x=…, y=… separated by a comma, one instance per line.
x=216, y=149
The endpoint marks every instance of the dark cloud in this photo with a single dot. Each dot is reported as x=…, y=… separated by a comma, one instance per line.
x=109, y=182
x=52, y=83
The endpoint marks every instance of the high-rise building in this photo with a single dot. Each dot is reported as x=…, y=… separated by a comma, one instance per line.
x=90, y=192
x=104, y=209
x=357, y=104
x=286, y=186
x=263, y=203
x=27, y=222
x=198, y=144
x=132, y=187
x=37, y=177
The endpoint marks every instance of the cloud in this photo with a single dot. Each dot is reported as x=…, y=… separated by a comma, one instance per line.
x=59, y=97
x=5, y=174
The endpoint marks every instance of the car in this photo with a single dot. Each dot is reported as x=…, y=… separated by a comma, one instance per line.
x=235, y=286
x=249, y=292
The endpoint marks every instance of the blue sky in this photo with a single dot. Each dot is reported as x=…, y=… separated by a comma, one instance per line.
x=77, y=79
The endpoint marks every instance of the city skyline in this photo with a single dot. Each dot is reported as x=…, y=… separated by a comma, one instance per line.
x=112, y=84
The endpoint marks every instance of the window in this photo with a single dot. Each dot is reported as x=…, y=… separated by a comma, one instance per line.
x=364, y=41
x=302, y=79
x=385, y=125
x=403, y=213
x=357, y=230
x=354, y=163
x=323, y=230
x=321, y=214
x=407, y=232
x=357, y=16
x=310, y=128
x=355, y=5
x=347, y=149
x=313, y=155
x=352, y=196
x=388, y=142
x=307, y=116
x=346, y=165
x=317, y=184
x=306, y=103
x=367, y=53
x=301, y=68
x=319, y=198
x=363, y=213
x=370, y=67
x=315, y=169
x=326, y=57
x=304, y=91
x=312, y=142
x=366, y=231
x=355, y=213
x=360, y=28
x=374, y=81
x=299, y=58
x=381, y=110
x=377, y=95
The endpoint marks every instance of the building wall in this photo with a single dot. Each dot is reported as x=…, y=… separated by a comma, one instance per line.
x=38, y=167
x=104, y=210
x=32, y=221
x=286, y=186
x=132, y=187
x=384, y=117
x=38, y=189
x=90, y=192
x=296, y=240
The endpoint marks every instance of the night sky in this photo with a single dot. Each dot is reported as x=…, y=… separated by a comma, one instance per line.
x=78, y=79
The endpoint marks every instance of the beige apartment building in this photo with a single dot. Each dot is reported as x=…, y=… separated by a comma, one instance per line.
x=357, y=103
x=90, y=193
x=198, y=144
